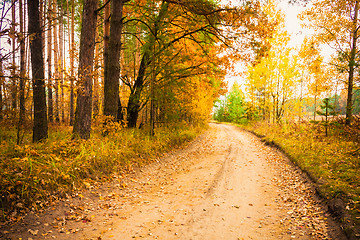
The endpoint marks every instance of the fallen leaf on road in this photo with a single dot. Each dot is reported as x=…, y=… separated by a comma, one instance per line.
x=33, y=232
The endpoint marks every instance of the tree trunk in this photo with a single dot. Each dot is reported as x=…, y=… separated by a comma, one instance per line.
x=315, y=107
x=42, y=24
x=135, y=94
x=112, y=61
x=96, y=88
x=82, y=124
x=40, y=128
x=134, y=103
x=22, y=73
x=13, y=69
x=106, y=31
x=72, y=77
x=61, y=66
x=56, y=61
x=49, y=63
x=352, y=62
x=1, y=86
x=107, y=10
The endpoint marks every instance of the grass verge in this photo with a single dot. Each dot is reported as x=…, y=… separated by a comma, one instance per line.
x=333, y=162
x=32, y=175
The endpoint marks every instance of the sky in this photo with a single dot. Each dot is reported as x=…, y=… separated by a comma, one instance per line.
x=292, y=23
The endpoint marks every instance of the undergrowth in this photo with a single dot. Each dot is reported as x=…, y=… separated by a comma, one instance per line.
x=332, y=161
x=32, y=175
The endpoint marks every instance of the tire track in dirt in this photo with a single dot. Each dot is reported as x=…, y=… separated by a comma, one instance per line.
x=232, y=188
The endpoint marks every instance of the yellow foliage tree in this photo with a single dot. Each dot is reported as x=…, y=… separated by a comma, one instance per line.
x=336, y=23
x=272, y=81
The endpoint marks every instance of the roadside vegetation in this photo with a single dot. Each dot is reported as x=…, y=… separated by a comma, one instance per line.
x=34, y=174
x=331, y=161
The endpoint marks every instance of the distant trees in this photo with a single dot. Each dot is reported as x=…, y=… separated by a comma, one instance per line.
x=272, y=81
x=336, y=23
x=284, y=84
x=233, y=107
x=315, y=70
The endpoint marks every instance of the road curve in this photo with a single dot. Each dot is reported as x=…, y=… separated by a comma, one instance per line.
x=227, y=185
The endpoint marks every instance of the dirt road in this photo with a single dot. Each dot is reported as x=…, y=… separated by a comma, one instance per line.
x=224, y=185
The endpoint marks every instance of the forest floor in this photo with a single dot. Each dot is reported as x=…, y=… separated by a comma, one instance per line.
x=226, y=184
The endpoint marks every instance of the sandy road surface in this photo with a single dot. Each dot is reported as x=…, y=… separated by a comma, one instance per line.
x=225, y=185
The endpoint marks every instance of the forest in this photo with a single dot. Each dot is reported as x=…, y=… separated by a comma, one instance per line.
x=293, y=84
x=134, y=78
x=89, y=88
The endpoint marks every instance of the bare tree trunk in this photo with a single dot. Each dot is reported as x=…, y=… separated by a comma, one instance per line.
x=301, y=99
x=1, y=86
x=354, y=37
x=69, y=38
x=49, y=63
x=152, y=94
x=28, y=66
x=107, y=10
x=96, y=77
x=22, y=73
x=61, y=66
x=40, y=129
x=56, y=61
x=72, y=63
x=13, y=70
x=336, y=100
x=106, y=31
x=82, y=124
x=42, y=23
x=112, y=61
x=315, y=103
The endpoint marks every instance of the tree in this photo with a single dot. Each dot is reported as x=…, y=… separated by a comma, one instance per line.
x=61, y=64
x=271, y=83
x=40, y=128
x=134, y=103
x=72, y=50
x=56, y=60
x=49, y=62
x=273, y=76
x=82, y=124
x=336, y=23
x=168, y=23
x=314, y=70
x=112, y=61
x=22, y=72
x=329, y=110
x=1, y=85
x=235, y=104
x=14, y=88
x=234, y=108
